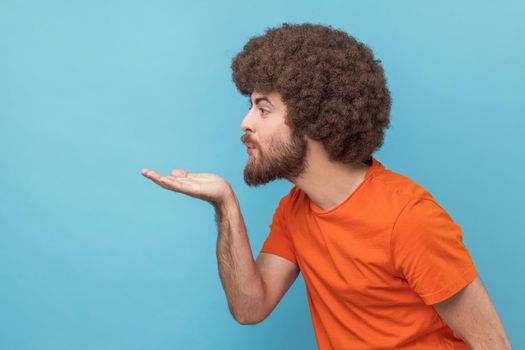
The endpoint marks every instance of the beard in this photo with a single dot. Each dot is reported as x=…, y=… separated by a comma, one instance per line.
x=282, y=160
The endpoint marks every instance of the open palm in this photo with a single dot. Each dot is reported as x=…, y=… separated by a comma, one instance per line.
x=205, y=186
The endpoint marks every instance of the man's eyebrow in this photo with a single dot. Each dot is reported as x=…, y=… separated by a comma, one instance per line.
x=259, y=99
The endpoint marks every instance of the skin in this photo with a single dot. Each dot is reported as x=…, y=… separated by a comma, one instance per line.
x=279, y=154
x=472, y=315
x=254, y=288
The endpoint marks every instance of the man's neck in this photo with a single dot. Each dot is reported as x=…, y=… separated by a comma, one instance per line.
x=328, y=183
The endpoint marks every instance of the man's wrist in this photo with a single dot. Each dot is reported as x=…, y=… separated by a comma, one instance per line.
x=229, y=200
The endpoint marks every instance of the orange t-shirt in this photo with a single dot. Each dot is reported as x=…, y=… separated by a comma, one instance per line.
x=375, y=263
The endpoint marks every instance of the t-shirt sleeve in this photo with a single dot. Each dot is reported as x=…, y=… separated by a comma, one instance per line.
x=428, y=251
x=278, y=241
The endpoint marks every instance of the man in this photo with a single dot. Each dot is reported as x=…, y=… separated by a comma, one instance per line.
x=384, y=265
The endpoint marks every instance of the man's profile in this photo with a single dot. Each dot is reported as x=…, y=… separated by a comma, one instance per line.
x=384, y=265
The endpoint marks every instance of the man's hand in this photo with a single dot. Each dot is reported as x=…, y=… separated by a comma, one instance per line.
x=209, y=187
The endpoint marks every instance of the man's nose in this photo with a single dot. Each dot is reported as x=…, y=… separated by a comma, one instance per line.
x=247, y=122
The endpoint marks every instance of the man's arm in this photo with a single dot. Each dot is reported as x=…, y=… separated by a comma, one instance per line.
x=471, y=314
x=278, y=275
x=253, y=289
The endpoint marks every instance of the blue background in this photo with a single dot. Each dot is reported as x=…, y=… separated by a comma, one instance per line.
x=95, y=256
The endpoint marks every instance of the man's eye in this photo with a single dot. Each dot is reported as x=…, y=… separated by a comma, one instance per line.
x=262, y=110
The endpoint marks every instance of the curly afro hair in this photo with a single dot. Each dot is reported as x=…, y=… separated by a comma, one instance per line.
x=334, y=89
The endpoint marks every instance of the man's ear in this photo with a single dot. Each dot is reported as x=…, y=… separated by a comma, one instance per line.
x=312, y=143
x=307, y=139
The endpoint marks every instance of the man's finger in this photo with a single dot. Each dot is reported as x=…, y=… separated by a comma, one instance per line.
x=168, y=182
x=151, y=174
x=158, y=182
x=172, y=183
x=155, y=177
x=179, y=172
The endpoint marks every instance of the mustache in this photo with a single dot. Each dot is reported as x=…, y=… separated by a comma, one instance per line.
x=246, y=139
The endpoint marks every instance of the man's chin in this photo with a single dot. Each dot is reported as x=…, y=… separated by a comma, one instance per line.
x=253, y=177
x=254, y=182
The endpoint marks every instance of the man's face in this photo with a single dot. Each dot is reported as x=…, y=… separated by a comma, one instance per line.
x=278, y=153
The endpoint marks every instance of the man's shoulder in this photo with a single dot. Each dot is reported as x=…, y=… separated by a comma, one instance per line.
x=390, y=192
x=392, y=183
